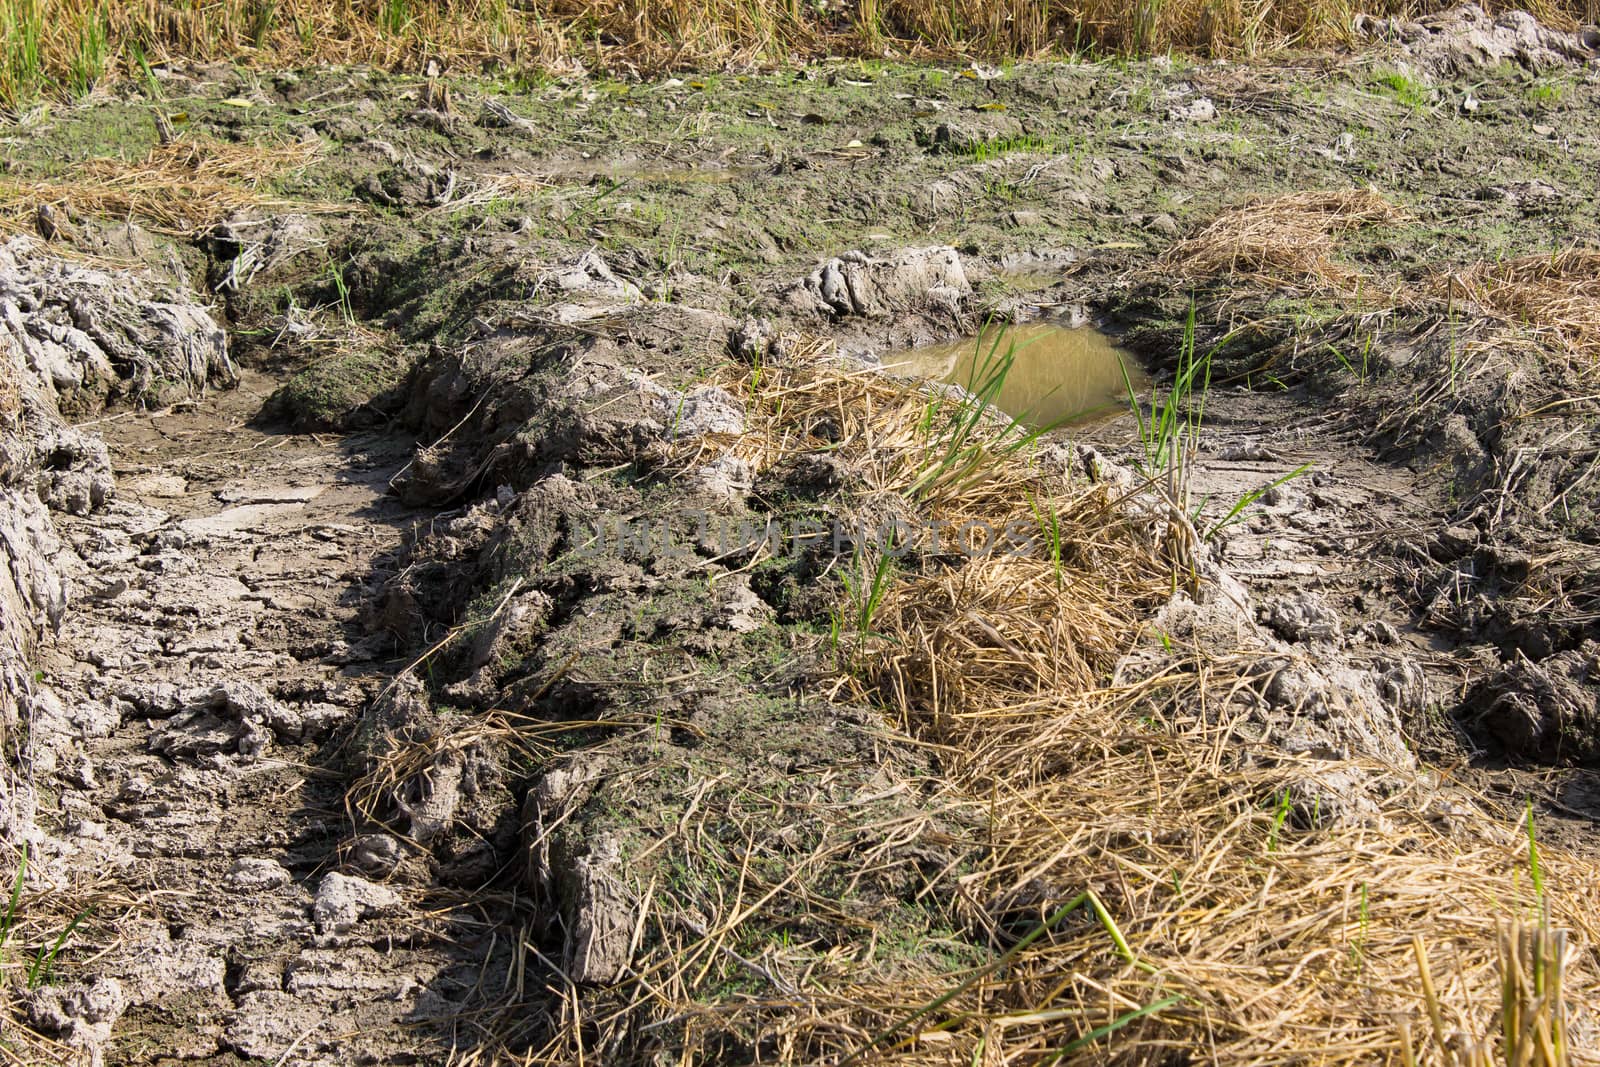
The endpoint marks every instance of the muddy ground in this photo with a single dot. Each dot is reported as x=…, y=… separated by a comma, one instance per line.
x=363, y=750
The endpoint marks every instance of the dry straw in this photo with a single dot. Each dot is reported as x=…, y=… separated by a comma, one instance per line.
x=179, y=188
x=77, y=46
x=1285, y=241
x=1556, y=296
x=1149, y=883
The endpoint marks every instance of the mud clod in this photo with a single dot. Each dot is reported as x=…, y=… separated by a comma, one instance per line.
x=858, y=284
x=253, y=874
x=344, y=900
x=1304, y=617
x=1467, y=39
x=92, y=337
x=81, y=1015
x=1545, y=711
x=599, y=911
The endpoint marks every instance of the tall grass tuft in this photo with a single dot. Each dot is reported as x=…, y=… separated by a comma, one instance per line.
x=1167, y=434
x=394, y=17
x=657, y=35
x=88, y=63
x=21, y=53
x=263, y=16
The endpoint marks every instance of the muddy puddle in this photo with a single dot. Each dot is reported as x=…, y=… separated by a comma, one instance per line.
x=1059, y=375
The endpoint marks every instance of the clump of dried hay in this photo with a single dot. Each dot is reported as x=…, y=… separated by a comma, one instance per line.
x=1556, y=296
x=1267, y=930
x=180, y=188
x=1155, y=882
x=1285, y=241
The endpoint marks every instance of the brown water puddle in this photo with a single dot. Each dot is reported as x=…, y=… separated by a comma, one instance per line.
x=1068, y=376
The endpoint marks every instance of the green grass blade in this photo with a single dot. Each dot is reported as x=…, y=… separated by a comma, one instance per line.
x=1251, y=497
x=1114, y=1025
x=16, y=897
x=45, y=961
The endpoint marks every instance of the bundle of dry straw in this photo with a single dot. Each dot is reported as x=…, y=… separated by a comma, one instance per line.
x=1288, y=241
x=178, y=188
x=1556, y=296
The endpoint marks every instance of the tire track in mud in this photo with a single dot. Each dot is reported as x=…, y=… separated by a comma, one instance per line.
x=210, y=675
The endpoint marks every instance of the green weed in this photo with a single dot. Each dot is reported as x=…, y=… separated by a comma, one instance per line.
x=1535, y=871
x=10, y=918
x=1405, y=89
x=394, y=17
x=1174, y=420
x=263, y=16
x=1366, y=353
x=347, y=310
x=1236, y=513
x=867, y=593
x=1280, y=814
x=137, y=60
x=1168, y=433
x=44, y=963
x=1358, y=948
x=88, y=64
x=960, y=453
x=21, y=69
x=1543, y=94
x=1050, y=530
x=983, y=151
x=44, y=960
x=1114, y=1025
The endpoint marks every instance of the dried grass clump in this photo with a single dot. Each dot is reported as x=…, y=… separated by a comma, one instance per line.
x=1555, y=296
x=179, y=188
x=1156, y=883
x=1281, y=939
x=1286, y=241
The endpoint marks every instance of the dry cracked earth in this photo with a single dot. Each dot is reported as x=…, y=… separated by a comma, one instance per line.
x=327, y=743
